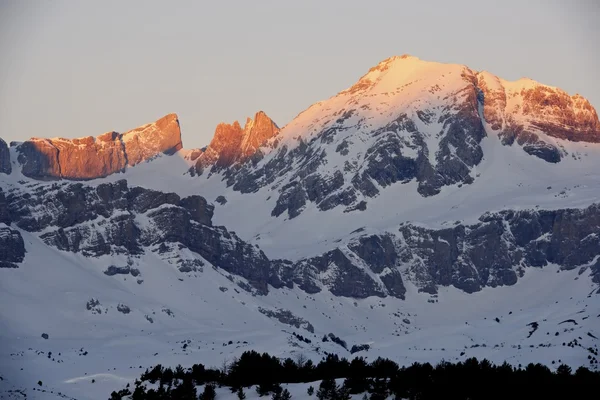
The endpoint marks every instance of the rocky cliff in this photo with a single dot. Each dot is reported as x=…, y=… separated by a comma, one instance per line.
x=115, y=219
x=532, y=115
x=5, y=166
x=89, y=157
x=231, y=144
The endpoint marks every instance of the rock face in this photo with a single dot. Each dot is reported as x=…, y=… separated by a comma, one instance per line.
x=113, y=218
x=12, y=247
x=231, y=144
x=5, y=166
x=496, y=250
x=288, y=318
x=89, y=157
x=532, y=114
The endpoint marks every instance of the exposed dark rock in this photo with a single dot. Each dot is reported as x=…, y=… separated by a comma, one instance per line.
x=286, y=317
x=198, y=208
x=12, y=247
x=485, y=254
x=344, y=276
x=4, y=210
x=122, y=308
x=192, y=265
x=377, y=251
x=360, y=347
x=5, y=166
x=292, y=199
x=221, y=200
x=94, y=306
x=338, y=340
x=114, y=270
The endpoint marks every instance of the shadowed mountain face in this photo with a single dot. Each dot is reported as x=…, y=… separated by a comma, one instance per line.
x=114, y=219
x=89, y=157
x=5, y=167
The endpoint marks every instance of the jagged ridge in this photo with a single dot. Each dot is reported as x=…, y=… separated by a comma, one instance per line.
x=89, y=157
x=231, y=144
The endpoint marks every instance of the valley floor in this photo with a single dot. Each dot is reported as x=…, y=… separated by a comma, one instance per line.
x=88, y=355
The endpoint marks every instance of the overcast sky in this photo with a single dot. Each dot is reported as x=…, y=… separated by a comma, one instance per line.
x=79, y=68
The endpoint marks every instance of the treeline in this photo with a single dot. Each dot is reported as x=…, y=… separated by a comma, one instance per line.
x=471, y=379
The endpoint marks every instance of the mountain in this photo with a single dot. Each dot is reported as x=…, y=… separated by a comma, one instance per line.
x=427, y=212
x=233, y=145
x=89, y=157
x=409, y=120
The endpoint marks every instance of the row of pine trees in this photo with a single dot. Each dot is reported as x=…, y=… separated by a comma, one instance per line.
x=378, y=380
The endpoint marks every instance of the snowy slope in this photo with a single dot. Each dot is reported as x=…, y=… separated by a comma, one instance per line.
x=207, y=318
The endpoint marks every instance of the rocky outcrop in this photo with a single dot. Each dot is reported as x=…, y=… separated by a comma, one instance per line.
x=341, y=274
x=4, y=211
x=288, y=318
x=231, y=144
x=529, y=113
x=115, y=219
x=89, y=157
x=12, y=247
x=5, y=166
x=497, y=249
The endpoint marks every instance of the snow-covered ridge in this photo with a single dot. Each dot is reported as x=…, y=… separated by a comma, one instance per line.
x=428, y=127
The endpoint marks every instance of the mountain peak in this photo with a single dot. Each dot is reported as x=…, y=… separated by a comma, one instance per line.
x=231, y=143
x=95, y=157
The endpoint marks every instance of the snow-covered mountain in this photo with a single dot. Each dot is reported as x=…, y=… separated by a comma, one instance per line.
x=429, y=211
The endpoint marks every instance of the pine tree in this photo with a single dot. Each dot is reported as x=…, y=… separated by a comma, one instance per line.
x=285, y=395
x=263, y=389
x=310, y=391
x=379, y=390
x=240, y=394
x=342, y=394
x=209, y=393
x=327, y=389
x=185, y=391
x=277, y=392
x=139, y=393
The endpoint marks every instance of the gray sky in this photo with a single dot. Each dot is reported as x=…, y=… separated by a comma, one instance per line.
x=78, y=68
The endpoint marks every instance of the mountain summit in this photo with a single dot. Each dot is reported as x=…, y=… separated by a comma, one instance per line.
x=406, y=120
x=231, y=144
